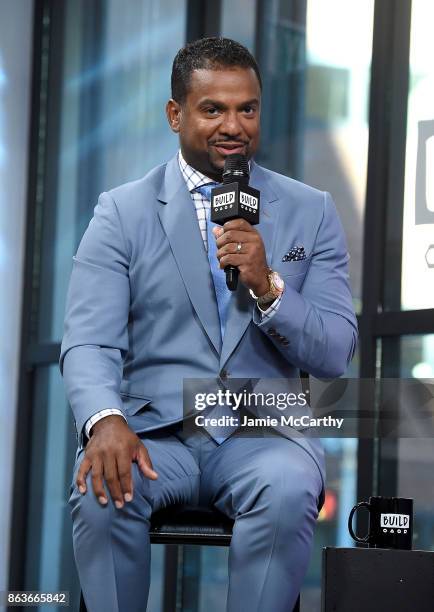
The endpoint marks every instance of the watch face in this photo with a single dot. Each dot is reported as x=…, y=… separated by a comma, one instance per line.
x=277, y=281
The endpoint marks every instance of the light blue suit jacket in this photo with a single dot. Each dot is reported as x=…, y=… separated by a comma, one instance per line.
x=141, y=311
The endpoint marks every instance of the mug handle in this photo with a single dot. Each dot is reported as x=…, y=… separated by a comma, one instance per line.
x=365, y=539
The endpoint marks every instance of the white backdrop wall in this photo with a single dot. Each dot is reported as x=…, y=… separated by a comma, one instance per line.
x=15, y=84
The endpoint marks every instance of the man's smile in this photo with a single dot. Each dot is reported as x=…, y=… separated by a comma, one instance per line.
x=228, y=148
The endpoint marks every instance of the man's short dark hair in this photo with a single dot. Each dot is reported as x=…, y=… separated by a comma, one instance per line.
x=212, y=53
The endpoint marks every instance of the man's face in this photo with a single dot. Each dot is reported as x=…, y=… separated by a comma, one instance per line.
x=219, y=117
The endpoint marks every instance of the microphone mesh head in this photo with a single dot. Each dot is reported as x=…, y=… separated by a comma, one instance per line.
x=236, y=169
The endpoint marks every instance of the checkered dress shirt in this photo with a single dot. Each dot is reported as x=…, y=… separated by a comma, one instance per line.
x=193, y=179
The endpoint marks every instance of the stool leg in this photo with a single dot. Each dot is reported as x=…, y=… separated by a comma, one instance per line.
x=82, y=604
x=296, y=607
x=171, y=562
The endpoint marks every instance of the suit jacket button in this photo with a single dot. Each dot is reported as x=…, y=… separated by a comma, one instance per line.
x=224, y=374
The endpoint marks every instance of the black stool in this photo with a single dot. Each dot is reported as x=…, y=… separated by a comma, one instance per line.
x=177, y=525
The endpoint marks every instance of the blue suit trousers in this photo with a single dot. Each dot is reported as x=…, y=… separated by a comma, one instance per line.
x=270, y=486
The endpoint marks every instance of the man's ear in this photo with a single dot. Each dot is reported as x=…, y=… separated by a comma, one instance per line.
x=173, y=113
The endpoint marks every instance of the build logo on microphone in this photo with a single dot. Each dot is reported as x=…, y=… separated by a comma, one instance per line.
x=223, y=200
x=248, y=201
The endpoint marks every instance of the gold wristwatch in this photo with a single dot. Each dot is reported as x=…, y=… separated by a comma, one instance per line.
x=277, y=286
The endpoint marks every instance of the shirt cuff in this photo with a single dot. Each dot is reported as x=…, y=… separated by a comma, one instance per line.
x=98, y=416
x=274, y=307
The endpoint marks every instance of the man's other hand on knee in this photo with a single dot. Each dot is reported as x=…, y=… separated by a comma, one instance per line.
x=111, y=450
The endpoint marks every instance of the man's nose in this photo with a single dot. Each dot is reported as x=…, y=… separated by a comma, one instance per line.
x=231, y=125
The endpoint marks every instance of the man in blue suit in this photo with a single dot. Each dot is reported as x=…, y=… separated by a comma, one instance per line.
x=142, y=316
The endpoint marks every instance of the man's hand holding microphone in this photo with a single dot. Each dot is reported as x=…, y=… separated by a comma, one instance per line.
x=235, y=205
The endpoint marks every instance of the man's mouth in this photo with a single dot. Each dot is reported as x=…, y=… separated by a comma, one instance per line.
x=229, y=148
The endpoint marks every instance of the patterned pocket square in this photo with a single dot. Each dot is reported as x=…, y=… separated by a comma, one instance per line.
x=297, y=253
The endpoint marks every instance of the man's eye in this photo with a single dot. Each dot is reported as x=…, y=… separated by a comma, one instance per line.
x=249, y=110
x=212, y=111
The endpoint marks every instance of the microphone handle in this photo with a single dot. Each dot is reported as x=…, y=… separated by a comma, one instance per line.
x=232, y=273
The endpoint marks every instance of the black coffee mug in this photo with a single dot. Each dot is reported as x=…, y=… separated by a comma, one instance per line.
x=390, y=522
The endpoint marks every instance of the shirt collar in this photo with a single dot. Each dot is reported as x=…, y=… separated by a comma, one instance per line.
x=192, y=177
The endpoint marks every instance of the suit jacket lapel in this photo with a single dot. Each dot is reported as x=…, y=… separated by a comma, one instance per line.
x=179, y=221
x=241, y=306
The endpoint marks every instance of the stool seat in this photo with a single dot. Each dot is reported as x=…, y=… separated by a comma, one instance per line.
x=190, y=525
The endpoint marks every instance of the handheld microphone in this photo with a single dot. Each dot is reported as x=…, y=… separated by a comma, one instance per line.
x=235, y=200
